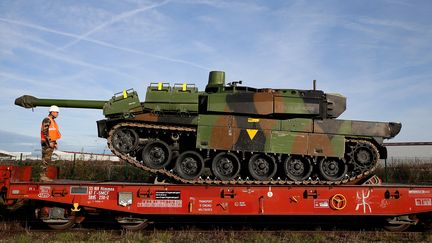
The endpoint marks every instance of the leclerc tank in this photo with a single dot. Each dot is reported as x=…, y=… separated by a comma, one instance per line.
x=242, y=134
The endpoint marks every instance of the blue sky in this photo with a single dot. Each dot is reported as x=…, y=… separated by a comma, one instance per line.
x=377, y=53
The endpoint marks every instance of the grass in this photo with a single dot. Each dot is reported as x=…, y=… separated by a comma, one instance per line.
x=217, y=236
x=406, y=171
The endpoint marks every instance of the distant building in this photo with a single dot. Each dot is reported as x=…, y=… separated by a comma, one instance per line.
x=409, y=152
x=58, y=155
x=4, y=155
x=69, y=155
x=13, y=155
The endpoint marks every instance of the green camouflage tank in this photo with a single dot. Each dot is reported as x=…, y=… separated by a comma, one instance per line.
x=237, y=134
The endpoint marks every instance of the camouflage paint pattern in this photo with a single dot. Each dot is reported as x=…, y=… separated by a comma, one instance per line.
x=294, y=136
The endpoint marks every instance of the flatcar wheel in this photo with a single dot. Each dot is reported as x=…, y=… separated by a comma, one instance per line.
x=262, y=167
x=189, y=165
x=396, y=227
x=125, y=140
x=297, y=168
x=400, y=223
x=133, y=224
x=225, y=166
x=332, y=169
x=57, y=218
x=156, y=154
x=62, y=226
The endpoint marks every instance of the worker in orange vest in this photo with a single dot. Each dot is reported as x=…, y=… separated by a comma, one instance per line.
x=49, y=135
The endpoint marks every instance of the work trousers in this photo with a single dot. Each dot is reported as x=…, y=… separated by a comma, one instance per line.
x=47, y=152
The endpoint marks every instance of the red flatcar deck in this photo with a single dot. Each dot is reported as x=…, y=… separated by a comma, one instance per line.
x=250, y=200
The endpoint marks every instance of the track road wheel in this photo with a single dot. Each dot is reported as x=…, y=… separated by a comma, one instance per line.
x=225, y=166
x=262, y=167
x=57, y=218
x=132, y=224
x=189, y=165
x=332, y=169
x=156, y=154
x=125, y=140
x=297, y=168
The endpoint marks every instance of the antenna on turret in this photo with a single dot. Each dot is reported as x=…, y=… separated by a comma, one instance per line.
x=235, y=83
x=314, y=84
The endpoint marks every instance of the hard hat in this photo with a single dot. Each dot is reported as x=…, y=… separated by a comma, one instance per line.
x=54, y=108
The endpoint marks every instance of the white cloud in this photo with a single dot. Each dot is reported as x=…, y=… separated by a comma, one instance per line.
x=105, y=44
x=234, y=6
x=113, y=20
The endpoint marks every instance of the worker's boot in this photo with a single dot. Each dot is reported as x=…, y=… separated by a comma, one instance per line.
x=44, y=178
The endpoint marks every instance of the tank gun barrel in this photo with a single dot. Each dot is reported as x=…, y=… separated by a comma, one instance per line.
x=28, y=101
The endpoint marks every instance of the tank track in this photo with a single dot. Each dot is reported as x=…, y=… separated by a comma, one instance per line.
x=208, y=181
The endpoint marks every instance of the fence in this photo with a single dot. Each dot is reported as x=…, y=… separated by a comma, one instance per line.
x=60, y=156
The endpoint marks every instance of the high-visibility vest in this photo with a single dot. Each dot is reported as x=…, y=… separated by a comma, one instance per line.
x=53, y=131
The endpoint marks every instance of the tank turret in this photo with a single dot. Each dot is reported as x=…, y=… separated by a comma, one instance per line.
x=281, y=103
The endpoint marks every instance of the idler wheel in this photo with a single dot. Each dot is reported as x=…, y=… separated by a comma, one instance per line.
x=125, y=140
x=297, y=168
x=365, y=155
x=225, y=166
x=332, y=169
x=189, y=165
x=262, y=167
x=156, y=154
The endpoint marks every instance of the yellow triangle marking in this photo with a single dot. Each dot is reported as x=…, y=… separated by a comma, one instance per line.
x=252, y=133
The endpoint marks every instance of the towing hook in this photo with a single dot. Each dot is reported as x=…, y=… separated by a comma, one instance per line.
x=175, y=136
